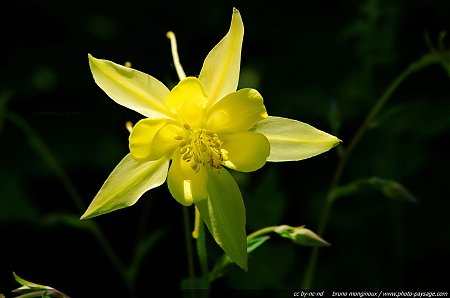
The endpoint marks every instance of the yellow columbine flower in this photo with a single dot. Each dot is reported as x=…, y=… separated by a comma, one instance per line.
x=203, y=125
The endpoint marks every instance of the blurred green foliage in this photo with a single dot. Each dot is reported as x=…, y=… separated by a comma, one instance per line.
x=321, y=62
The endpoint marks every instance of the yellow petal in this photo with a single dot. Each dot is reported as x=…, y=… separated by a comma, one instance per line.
x=166, y=141
x=237, y=111
x=220, y=71
x=186, y=185
x=126, y=184
x=187, y=100
x=293, y=140
x=224, y=214
x=247, y=151
x=130, y=88
x=142, y=135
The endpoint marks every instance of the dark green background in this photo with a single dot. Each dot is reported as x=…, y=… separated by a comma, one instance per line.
x=308, y=59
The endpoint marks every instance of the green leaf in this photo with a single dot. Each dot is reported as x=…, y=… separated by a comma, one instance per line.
x=30, y=289
x=219, y=269
x=29, y=284
x=301, y=236
x=224, y=214
x=254, y=243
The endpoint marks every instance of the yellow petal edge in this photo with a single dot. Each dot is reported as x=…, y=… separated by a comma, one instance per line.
x=130, y=88
x=292, y=140
x=126, y=184
x=220, y=72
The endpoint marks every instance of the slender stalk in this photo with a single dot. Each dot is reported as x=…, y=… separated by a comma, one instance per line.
x=199, y=230
x=45, y=153
x=176, y=59
x=418, y=65
x=261, y=232
x=202, y=255
x=196, y=224
x=189, y=248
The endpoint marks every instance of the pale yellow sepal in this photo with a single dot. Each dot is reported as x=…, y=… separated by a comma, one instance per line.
x=220, y=71
x=130, y=88
x=292, y=140
x=126, y=184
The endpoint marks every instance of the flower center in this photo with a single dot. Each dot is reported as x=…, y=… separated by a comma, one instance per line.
x=200, y=147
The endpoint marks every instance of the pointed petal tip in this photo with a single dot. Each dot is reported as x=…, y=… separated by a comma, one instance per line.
x=83, y=217
x=236, y=14
x=86, y=215
x=91, y=58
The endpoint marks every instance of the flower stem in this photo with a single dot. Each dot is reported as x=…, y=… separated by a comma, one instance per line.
x=202, y=254
x=418, y=65
x=261, y=232
x=189, y=249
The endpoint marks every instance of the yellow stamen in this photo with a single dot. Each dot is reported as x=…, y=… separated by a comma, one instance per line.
x=176, y=60
x=128, y=64
x=129, y=126
x=196, y=224
x=201, y=147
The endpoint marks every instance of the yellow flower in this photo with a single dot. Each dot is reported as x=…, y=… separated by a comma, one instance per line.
x=203, y=126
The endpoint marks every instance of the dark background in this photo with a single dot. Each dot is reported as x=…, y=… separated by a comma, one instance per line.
x=309, y=59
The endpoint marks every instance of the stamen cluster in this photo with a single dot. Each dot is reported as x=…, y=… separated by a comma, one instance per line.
x=200, y=147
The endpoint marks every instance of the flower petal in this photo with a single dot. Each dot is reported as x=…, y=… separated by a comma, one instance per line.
x=220, y=71
x=224, y=214
x=247, y=151
x=186, y=185
x=141, y=137
x=187, y=100
x=165, y=141
x=237, y=111
x=130, y=88
x=126, y=184
x=293, y=140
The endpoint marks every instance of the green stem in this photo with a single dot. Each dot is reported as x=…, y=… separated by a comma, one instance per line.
x=189, y=249
x=40, y=293
x=41, y=148
x=418, y=65
x=261, y=232
x=202, y=255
